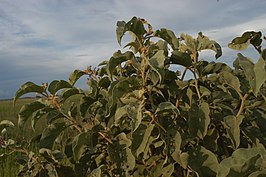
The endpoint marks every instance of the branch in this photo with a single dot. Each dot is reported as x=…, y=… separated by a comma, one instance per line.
x=107, y=139
x=243, y=99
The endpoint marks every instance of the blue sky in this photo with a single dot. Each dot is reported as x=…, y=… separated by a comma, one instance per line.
x=43, y=40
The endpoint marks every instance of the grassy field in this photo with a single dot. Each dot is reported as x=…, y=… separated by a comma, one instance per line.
x=8, y=165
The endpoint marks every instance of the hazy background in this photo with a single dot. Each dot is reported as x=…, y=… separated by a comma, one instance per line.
x=43, y=40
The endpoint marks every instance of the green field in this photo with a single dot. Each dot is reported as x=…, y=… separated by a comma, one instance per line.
x=8, y=165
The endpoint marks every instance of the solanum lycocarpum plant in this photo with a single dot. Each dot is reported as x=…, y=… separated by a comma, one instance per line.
x=141, y=117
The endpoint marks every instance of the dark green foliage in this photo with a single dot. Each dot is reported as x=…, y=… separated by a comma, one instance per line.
x=142, y=118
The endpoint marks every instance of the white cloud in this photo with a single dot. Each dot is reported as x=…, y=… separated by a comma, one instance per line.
x=55, y=37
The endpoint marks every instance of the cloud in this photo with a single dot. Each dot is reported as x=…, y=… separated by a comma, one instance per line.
x=46, y=39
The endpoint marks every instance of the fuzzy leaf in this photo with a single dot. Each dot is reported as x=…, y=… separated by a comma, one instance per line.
x=203, y=161
x=144, y=139
x=241, y=163
x=27, y=110
x=167, y=107
x=69, y=92
x=169, y=37
x=181, y=58
x=5, y=124
x=255, y=74
x=242, y=43
x=56, y=85
x=50, y=133
x=74, y=76
x=120, y=30
x=38, y=114
x=79, y=144
x=28, y=87
x=232, y=124
x=134, y=111
x=117, y=59
x=260, y=75
x=231, y=80
x=205, y=43
x=213, y=67
x=199, y=120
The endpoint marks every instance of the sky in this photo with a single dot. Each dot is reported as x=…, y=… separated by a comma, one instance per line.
x=44, y=40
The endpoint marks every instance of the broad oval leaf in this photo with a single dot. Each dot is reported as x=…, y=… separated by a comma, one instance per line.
x=242, y=162
x=199, y=120
x=38, y=114
x=181, y=58
x=28, y=87
x=232, y=124
x=80, y=144
x=5, y=124
x=117, y=59
x=74, y=76
x=50, y=133
x=68, y=92
x=231, y=80
x=241, y=43
x=120, y=30
x=56, y=85
x=167, y=107
x=169, y=37
x=205, y=43
x=27, y=110
x=203, y=161
x=260, y=75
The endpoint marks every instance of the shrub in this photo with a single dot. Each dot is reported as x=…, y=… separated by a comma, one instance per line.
x=153, y=109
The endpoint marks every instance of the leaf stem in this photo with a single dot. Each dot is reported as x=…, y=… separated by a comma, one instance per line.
x=184, y=73
x=154, y=120
x=107, y=139
x=243, y=99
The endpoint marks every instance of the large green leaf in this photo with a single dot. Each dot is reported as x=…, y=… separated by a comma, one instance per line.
x=199, y=120
x=190, y=43
x=27, y=110
x=167, y=107
x=120, y=30
x=68, y=92
x=205, y=43
x=258, y=174
x=135, y=25
x=134, y=111
x=232, y=124
x=117, y=59
x=56, y=85
x=203, y=161
x=255, y=74
x=214, y=67
x=242, y=163
x=231, y=80
x=157, y=64
x=241, y=43
x=74, y=76
x=85, y=103
x=81, y=143
x=169, y=37
x=181, y=58
x=141, y=137
x=260, y=75
x=28, y=87
x=38, y=114
x=5, y=124
x=50, y=133
x=157, y=60
x=121, y=154
x=119, y=88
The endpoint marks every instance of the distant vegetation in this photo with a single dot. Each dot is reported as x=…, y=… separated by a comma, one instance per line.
x=141, y=117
